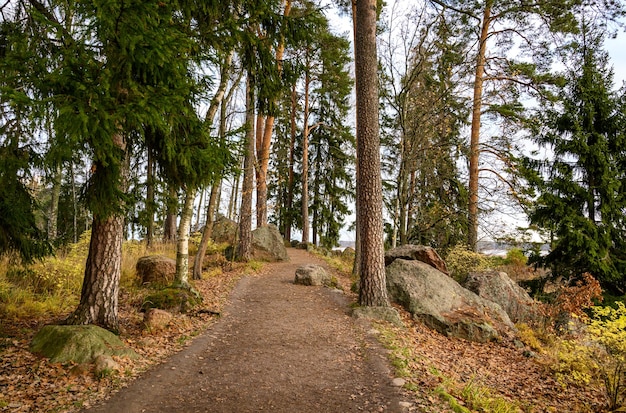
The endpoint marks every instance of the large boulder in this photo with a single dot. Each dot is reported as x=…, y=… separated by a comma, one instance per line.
x=442, y=304
x=427, y=255
x=156, y=269
x=498, y=287
x=224, y=231
x=268, y=245
x=78, y=344
x=312, y=274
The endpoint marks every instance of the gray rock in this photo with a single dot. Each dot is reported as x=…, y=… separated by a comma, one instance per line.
x=421, y=253
x=224, y=230
x=268, y=244
x=496, y=286
x=312, y=274
x=104, y=363
x=388, y=314
x=155, y=269
x=398, y=382
x=348, y=253
x=442, y=304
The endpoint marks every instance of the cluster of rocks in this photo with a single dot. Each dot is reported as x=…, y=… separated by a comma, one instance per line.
x=484, y=308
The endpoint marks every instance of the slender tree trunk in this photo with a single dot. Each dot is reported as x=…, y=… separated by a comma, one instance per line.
x=150, y=203
x=475, y=130
x=207, y=232
x=290, y=179
x=169, y=230
x=74, y=203
x=244, y=252
x=196, y=226
x=54, y=203
x=234, y=195
x=305, y=161
x=373, y=290
x=182, y=243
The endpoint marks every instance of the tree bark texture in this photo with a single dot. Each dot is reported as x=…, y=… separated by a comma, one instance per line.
x=99, y=295
x=244, y=251
x=475, y=130
x=373, y=290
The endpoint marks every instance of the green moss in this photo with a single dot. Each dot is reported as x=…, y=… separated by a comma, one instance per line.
x=172, y=298
x=78, y=344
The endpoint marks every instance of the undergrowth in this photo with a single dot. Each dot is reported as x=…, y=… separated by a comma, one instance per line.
x=51, y=286
x=460, y=397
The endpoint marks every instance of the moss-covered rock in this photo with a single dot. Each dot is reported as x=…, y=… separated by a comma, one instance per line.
x=78, y=344
x=172, y=298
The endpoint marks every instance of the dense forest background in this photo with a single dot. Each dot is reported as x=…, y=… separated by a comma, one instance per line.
x=150, y=120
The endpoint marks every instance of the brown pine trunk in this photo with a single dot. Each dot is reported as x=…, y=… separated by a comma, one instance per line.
x=373, y=291
x=244, y=251
x=475, y=131
x=356, y=267
x=264, y=141
x=99, y=295
x=290, y=180
x=305, y=161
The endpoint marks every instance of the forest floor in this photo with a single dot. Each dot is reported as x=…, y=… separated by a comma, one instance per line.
x=280, y=347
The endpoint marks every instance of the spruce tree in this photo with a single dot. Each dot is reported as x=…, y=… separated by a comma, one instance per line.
x=581, y=187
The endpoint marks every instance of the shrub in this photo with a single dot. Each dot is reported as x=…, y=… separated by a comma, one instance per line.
x=607, y=327
x=574, y=363
x=461, y=261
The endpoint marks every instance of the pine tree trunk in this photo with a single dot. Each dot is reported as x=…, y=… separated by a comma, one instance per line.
x=182, y=243
x=244, y=251
x=356, y=267
x=264, y=140
x=475, y=130
x=373, y=290
x=305, y=161
x=290, y=180
x=207, y=232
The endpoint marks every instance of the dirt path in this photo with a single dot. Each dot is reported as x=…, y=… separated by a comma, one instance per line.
x=278, y=347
